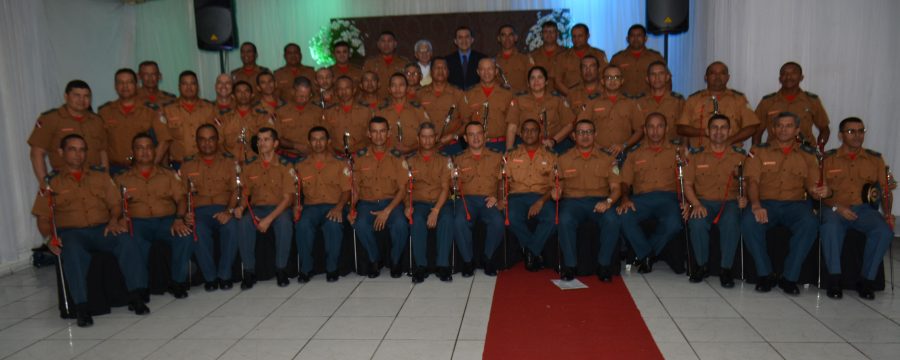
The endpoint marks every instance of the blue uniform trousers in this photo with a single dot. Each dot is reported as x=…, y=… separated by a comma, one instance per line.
x=365, y=229
x=207, y=226
x=574, y=212
x=518, y=221
x=660, y=205
x=282, y=227
x=444, y=234
x=870, y=222
x=729, y=231
x=492, y=219
x=150, y=230
x=796, y=215
x=312, y=218
x=78, y=243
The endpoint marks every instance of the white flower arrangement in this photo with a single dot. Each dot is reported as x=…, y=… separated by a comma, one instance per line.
x=563, y=20
x=338, y=30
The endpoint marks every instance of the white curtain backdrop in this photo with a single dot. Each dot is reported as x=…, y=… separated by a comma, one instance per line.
x=847, y=49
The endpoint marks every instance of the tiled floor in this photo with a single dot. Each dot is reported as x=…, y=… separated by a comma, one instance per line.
x=359, y=318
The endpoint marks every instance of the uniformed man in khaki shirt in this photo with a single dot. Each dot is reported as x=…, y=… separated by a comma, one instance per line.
x=323, y=93
x=550, y=109
x=348, y=117
x=437, y=99
x=413, y=75
x=369, y=90
x=590, y=186
x=479, y=170
x=380, y=178
x=325, y=185
x=847, y=169
x=511, y=63
x=183, y=116
x=386, y=62
x=568, y=66
x=126, y=117
x=86, y=217
x=650, y=175
x=157, y=205
x=209, y=177
x=268, y=191
x=660, y=97
x=711, y=187
x=634, y=61
x=550, y=52
x=717, y=98
x=792, y=98
x=403, y=115
x=429, y=206
x=616, y=116
x=532, y=172
x=292, y=69
x=267, y=97
x=148, y=72
x=488, y=98
x=238, y=126
x=294, y=120
x=224, y=88
x=779, y=177
x=73, y=117
x=589, y=87
x=342, y=65
x=249, y=70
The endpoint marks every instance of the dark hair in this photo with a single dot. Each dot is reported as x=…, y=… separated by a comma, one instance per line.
x=538, y=68
x=426, y=125
x=610, y=66
x=717, y=117
x=339, y=44
x=77, y=84
x=585, y=121
x=592, y=57
x=714, y=63
x=473, y=123
x=252, y=45
x=843, y=122
x=656, y=114
x=206, y=126
x=536, y=123
x=141, y=135
x=791, y=63
x=583, y=26
x=317, y=129
x=387, y=32
x=242, y=83
x=639, y=27
x=379, y=120
x=788, y=114
x=302, y=81
x=264, y=73
x=125, y=71
x=504, y=26
x=65, y=140
x=342, y=77
x=657, y=63
x=268, y=130
x=396, y=74
x=293, y=45
x=463, y=27
x=187, y=73
x=148, y=63
x=550, y=23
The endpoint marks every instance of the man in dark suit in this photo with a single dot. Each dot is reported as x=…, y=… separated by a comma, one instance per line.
x=463, y=62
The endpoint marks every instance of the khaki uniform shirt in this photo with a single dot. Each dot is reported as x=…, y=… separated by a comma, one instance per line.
x=578, y=97
x=409, y=115
x=568, y=65
x=806, y=105
x=700, y=107
x=614, y=121
x=529, y=174
x=670, y=105
x=782, y=176
x=214, y=181
x=479, y=175
x=293, y=122
x=121, y=127
x=499, y=101
x=384, y=68
x=714, y=175
x=352, y=71
x=548, y=60
x=79, y=204
x=649, y=169
x=322, y=182
x=587, y=176
x=284, y=79
x=515, y=67
x=353, y=118
x=55, y=124
x=248, y=75
x=159, y=98
x=437, y=104
x=527, y=106
x=634, y=69
x=156, y=196
x=379, y=179
x=846, y=173
x=431, y=176
x=183, y=125
x=231, y=123
x=266, y=184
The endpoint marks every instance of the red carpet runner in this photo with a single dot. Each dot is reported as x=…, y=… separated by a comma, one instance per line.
x=533, y=319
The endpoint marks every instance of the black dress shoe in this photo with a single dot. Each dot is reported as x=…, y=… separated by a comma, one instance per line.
x=538, y=262
x=699, y=274
x=866, y=290
x=248, y=281
x=83, y=315
x=725, y=278
x=468, y=269
x=835, y=292
x=281, y=278
x=136, y=304
x=529, y=261
x=211, y=285
x=789, y=287
x=645, y=265
x=302, y=277
x=178, y=290
x=444, y=275
x=332, y=276
x=677, y=267
x=418, y=275
x=567, y=273
x=489, y=268
x=226, y=284
x=764, y=284
x=396, y=271
x=604, y=273
x=374, y=269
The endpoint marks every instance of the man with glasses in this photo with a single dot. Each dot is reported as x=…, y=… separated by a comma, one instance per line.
x=617, y=115
x=847, y=170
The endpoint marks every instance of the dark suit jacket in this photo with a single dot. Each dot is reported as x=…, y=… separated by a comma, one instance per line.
x=459, y=78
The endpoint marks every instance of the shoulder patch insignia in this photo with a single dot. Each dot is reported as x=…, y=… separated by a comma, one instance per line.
x=814, y=96
x=98, y=168
x=873, y=152
x=739, y=150
x=362, y=152
x=228, y=155
x=677, y=95
x=415, y=104
x=396, y=153
x=695, y=150
x=188, y=158
x=831, y=152
x=250, y=160
x=151, y=106
x=48, y=111
x=768, y=96
x=808, y=149
x=593, y=96
x=675, y=141
x=696, y=92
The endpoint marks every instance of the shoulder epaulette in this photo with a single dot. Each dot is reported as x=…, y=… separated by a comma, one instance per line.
x=634, y=147
x=634, y=97
x=362, y=152
x=831, y=152
x=603, y=150
x=250, y=160
x=336, y=157
x=227, y=155
x=166, y=93
x=412, y=154
x=873, y=152
x=696, y=92
x=675, y=141
x=415, y=104
x=593, y=95
x=284, y=161
x=152, y=106
x=260, y=111
x=168, y=103
x=556, y=93
x=499, y=151
x=763, y=145
x=737, y=92
x=739, y=150
x=189, y=158
x=443, y=153
x=621, y=52
x=52, y=174
x=208, y=101
x=652, y=51
x=108, y=103
x=384, y=105
x=396, y=153
x=808, y=149
x=814, y=96
x=769, y=95
x=695, y=150
x=521, y=93
x=48, y=111
x=224, y=111
x=97, y=168
x=677, y=95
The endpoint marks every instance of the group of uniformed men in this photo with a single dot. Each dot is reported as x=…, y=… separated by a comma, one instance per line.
x=556, y=137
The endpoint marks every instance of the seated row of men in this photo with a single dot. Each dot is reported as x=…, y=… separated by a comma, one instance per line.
x=215, y=193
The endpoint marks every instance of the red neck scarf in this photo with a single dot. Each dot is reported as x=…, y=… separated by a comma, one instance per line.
x=487, y=90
